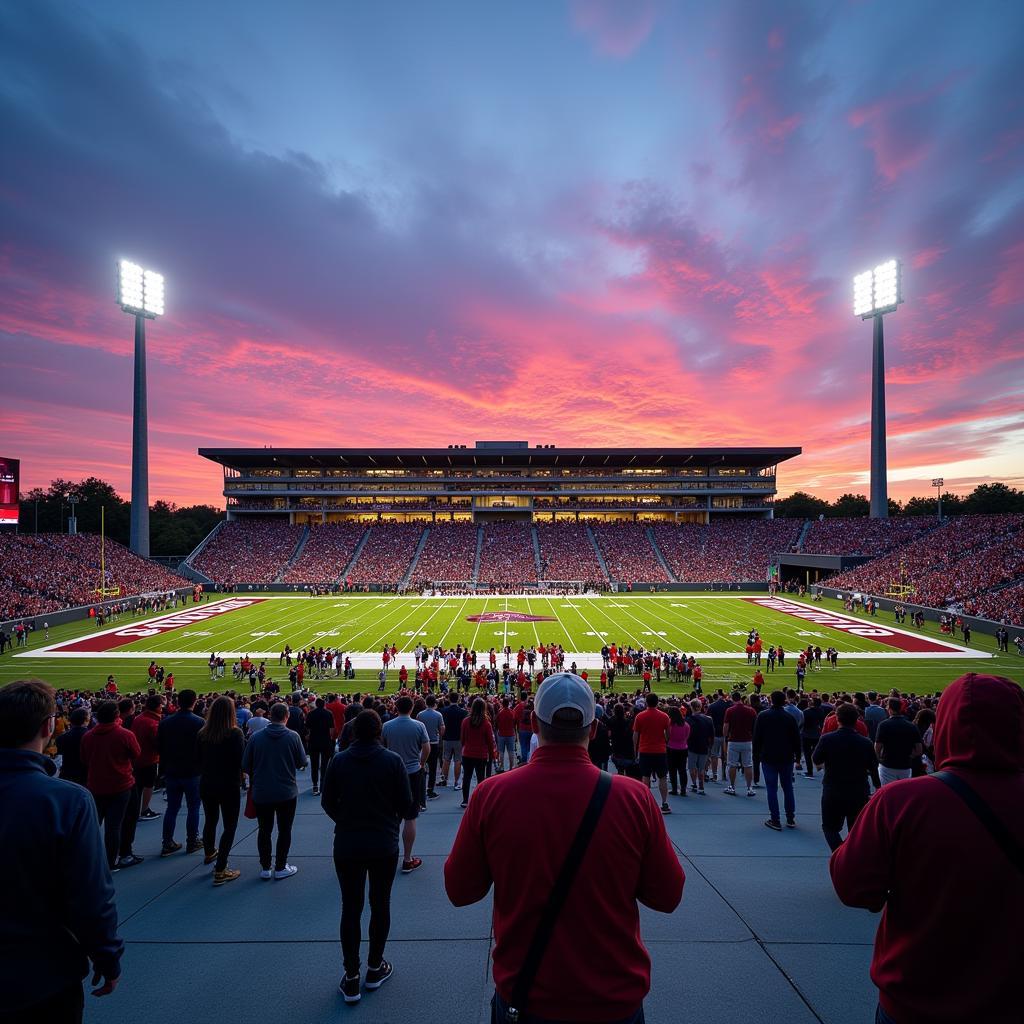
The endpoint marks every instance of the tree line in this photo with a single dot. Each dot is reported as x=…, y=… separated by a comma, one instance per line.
x=985, y=499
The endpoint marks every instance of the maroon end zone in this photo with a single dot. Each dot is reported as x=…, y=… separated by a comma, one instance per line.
x=111, y=639
x=857, y=627
x=509, y=617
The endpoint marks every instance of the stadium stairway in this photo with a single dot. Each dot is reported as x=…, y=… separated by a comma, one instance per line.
x=347, y=571
x=600, y=557
x=295, y=555
x=536, y=552
x=661, y=558
x=476, y=557
x=188, y=569
x=404, y=582
x=805, y=529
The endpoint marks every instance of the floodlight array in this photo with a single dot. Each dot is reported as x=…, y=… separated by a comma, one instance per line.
x=862, y=294
x=877, y=291
x=139, y=290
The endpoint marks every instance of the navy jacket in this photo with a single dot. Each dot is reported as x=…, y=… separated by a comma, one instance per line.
x=776, y=738
x=178, y=742
x=57, y=912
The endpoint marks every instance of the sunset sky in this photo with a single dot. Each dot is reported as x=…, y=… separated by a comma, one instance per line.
x=581, y=223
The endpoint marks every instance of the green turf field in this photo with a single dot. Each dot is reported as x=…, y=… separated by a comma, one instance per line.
x=712, y=627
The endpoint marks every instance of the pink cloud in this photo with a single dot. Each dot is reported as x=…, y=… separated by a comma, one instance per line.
x=615, y=28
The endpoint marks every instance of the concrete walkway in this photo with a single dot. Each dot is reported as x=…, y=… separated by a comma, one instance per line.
x=759, y=936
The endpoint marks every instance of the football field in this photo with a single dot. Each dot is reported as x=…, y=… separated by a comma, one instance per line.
x=874, y=652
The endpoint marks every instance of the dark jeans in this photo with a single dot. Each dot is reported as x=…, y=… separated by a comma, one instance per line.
x=223, y=804
x=677, y=769
x=131, y=818
x=352, y=876
x=809, y=743
x=319, y=759
x=499, y=1008
x=839, y=806
x=470, y=765
x=774, y=775
x=110, y=809
x=176, y=789
x=435, y=751
x=284, y=812
x=64, y=1007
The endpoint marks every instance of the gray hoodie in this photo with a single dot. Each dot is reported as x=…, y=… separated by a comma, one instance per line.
x=271, y=759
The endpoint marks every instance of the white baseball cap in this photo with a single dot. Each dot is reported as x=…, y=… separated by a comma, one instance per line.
x=564, y=690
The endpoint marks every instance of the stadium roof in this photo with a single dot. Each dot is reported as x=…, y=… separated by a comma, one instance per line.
x=514, y=455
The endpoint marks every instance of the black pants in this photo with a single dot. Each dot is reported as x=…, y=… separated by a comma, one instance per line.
x=319, y=759
x=839, y=806
x=131, y=818
x=223, y=804
x=284, y=812
x=352, y=877
x=64, y=1007
x=110, y=809
x=470, y=765
x=809, y=743
x=677, y=770
x=432, y=759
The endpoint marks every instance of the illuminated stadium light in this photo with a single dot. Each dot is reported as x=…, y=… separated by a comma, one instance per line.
x=140, y=291
x=878, y=291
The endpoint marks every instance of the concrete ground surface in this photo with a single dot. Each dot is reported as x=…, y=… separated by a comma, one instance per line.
x=759, y=936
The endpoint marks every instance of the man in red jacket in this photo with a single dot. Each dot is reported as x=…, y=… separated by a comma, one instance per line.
x=607, y=977
x=948, y=890
x=145, y=728
x=108, y=751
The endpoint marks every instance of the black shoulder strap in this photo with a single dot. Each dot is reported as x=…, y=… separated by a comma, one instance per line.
x=999, y=832
x=521, y=990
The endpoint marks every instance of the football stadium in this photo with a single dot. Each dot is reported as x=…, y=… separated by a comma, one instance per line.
x=551, y=548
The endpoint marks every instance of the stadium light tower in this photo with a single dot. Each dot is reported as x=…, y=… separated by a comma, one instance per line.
x=141, y=293
x=875, y=293
x=938, y=483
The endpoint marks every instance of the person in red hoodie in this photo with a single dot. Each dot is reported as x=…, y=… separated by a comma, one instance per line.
x=145, y=728
x=948, y=890
x=607, y=977
x=108, y=751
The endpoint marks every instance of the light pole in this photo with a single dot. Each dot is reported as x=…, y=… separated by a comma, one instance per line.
x=141, y=293
x=938, y=483
x=73, y=500
x=875, y=293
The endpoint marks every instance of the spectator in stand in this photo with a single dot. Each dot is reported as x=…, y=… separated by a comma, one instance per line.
x=678, y=750
x=69, y=747
x=433, y=720
x=220, y=757
x=271, y=759
x=738, y=733
x=50, y=931
x=651, y=732
x=604, y=820
x=366, y=794
x=478, y=748
x=776, y=747
x=408, y=738
x=320, y=728
x=898, y=859
x=897, y=744
x=146, y=726
x=178, y=746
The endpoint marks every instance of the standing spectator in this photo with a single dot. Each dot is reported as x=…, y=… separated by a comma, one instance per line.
x=49, y=930
x=407, y=737
x=897, y=744
x=738, y=733
x=108, y=750
x=849, y=760
x=433, y=720
x=477, y=746
x=220, y=756
x=776, y=747
x=271, y=759
x=607, y=977
x=702, y=735
x=320, y=729
x=810, y=732
x=936, y=856
x=366, y=794
x=650, y=746
x=453, y=714
x=678, y=749
x=69, y=747
x=178, y=743
x=146, y=728
x=716, y=712
x=874, y=714
x=506, y=723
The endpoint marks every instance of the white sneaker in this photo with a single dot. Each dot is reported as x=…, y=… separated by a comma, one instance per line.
x=286, y=872
x=750, y=792
x=267, y=875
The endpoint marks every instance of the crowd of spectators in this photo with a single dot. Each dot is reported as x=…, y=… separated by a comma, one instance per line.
x=46, y=572
x=862, y=536
x=327, y=552
x=567, y=553
x=628, y=554
x=248, y=551
x=449, y=553
x=387, y=554
x=507, y=557
x=725, y=550
x=1006, y=605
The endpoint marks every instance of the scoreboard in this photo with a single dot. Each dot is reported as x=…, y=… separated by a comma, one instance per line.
x=9, y=472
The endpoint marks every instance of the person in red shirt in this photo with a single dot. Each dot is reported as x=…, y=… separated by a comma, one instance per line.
x=145, y=728
x=948, y=891
x=758, y=681
x=336, y=706
x=403, y=677
x=738, y=733
x=831, y=723
x=650, y=747
x=107, y=751
x=478, y=747
x=608, y=976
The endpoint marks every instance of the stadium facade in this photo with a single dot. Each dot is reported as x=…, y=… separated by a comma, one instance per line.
x=499, y=481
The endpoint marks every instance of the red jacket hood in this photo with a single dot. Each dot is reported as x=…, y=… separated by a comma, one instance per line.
x=979, y=725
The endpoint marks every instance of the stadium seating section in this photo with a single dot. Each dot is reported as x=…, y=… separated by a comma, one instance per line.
x=507, y=556
x=326, y=554
x=48, y=572
x=249, y=551
x=449, y=553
